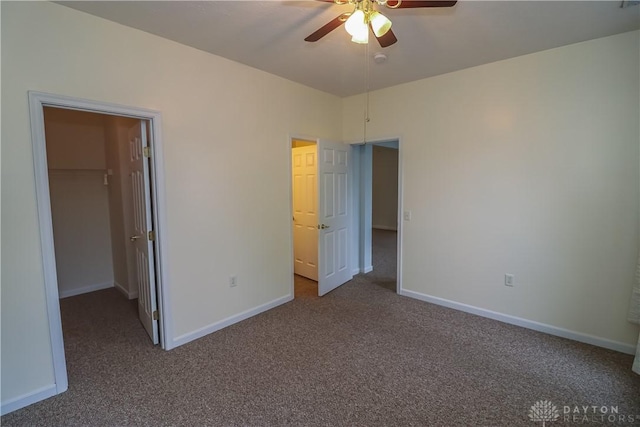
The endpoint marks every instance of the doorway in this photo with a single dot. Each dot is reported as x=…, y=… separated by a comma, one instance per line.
x=304, y=183
x=100, y=206
x=305, y=208
x=384, y=214
x=153, y=193
x=321, y=213
x=380, y=201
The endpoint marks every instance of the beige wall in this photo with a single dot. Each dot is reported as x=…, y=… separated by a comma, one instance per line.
x=226, y=146
x=79, y=200
x=82, y=240
x=384, y=200
x=75, y=139
x=526, y=166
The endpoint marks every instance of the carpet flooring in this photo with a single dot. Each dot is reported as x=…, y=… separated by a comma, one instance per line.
x=361, y=355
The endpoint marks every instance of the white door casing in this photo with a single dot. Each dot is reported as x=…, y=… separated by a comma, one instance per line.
x=334, y=216
x=305, y=211
x=37, y=101
x=143, y=225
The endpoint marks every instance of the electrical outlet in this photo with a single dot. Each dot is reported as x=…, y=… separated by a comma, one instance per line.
x=508, y=280
x=233, y=281
x=407, y=215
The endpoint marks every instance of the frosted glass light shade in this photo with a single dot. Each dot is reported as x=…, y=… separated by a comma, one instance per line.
x=379, y=23
x=356, y=24
x=361, y=38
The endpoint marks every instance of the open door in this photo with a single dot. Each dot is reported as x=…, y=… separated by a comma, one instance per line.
x=143, y=236
x=305, y=212
x=334, y=216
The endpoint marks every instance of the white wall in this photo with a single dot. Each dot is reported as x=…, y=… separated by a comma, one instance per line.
x=79, y=200
x=384, y=201
x=526, y=166
x=227, y=154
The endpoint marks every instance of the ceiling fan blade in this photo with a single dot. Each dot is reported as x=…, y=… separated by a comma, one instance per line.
x=409, y=4
x=387, y=40
x=327, y=28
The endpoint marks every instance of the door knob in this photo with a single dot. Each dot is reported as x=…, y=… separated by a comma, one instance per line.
x=134, y=238
x=322, y=227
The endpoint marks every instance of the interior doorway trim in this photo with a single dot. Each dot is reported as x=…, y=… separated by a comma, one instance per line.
x=37, y=102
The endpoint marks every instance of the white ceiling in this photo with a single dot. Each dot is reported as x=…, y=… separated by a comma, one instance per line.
x=269, y=35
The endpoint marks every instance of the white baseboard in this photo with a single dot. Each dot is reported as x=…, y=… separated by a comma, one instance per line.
x=206, y=330
x=384, y=227
x=129, y=295
x=28, y=399
x=85, y=289
x=529, y=324
x=121, y=288
x=363, y=271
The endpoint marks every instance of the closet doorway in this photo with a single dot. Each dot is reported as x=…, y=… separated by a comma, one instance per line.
x=38, y=101
x=100, y=206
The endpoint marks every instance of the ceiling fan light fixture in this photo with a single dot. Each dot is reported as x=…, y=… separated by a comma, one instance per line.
x=356, y=23
x=361, y=38
x=379, y=23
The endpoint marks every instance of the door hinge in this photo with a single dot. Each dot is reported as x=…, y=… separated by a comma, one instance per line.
x=152, y=236
x=155, y=314
x=146, y=151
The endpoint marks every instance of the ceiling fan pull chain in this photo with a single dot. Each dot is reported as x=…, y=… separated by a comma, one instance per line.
x=367, y=119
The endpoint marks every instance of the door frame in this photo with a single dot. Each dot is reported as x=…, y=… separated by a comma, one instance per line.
x=364, y=207
x=355, y=185
x=37, y=102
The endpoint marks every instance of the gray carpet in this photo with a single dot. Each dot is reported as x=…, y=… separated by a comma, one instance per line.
x=384, y=259
x=361, y=355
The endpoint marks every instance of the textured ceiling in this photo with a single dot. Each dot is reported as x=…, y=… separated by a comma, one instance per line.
x=269, y=35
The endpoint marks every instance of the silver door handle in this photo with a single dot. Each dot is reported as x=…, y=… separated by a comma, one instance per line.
x=134, y=238
x=322, y=227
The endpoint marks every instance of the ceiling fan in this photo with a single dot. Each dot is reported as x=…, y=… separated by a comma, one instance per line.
x=365, y=16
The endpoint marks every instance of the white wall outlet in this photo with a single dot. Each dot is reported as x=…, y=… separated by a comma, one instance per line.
x=233, y=281
x=407, y=215
x=508, y=280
